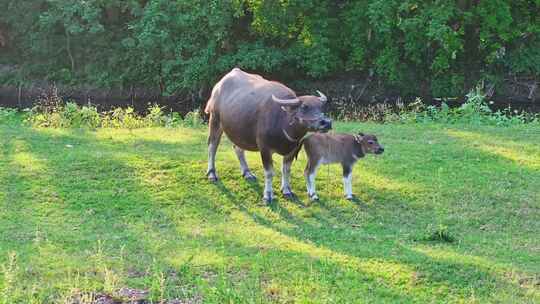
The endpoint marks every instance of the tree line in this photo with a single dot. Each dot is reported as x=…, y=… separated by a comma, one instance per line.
x=434, y=48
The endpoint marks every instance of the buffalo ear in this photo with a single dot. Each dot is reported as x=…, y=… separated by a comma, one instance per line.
x=290, y=108
x=322, y=97
x=358, y=138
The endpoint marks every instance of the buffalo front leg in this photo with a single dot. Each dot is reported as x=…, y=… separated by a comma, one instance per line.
x=285, y=178
x=214, y=136
x=268, y=174
x=246, y=173
x=309, y=173
x=347, y=182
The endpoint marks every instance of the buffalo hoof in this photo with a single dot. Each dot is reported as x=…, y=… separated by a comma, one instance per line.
x=212, y=176
x=314, y=197
x=249, y=176
x=267, y=199
x=289, y=196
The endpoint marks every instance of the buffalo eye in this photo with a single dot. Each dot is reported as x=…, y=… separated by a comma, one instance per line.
x=303, y=107
x=370, y=142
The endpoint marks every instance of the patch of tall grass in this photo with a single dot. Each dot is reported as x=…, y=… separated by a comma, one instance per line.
x=475, y=110
x=50, y=111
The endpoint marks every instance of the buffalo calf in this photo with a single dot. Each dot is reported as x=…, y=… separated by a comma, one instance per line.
x=345, y=149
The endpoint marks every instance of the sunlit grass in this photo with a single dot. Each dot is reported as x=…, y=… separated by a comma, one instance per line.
x=523, y=154
x=86, y=213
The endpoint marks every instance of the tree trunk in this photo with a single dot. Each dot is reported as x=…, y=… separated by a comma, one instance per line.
x=70, y=54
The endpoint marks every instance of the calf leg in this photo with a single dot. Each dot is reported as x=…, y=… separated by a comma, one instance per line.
x=246, y=173
x=309, y=173
x=285, y=177
x=268, y=174
x=214, y=136
x=347, y=181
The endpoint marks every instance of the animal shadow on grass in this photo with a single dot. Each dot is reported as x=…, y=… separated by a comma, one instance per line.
x=427, y=269
x=257, y=190
x=427, y=266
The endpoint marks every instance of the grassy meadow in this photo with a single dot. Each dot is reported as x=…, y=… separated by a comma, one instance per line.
x=448, y=214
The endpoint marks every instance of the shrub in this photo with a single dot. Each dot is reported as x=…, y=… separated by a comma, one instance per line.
x=173, y=120
x=8, y=116
x=71, y=115
x=123, y=118
x=193, y=119
x=475, y=110
x=155, y=116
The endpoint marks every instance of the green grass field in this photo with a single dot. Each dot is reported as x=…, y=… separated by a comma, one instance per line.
x=84, y=214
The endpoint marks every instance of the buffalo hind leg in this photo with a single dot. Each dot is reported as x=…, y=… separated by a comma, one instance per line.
x=246, y=173
x=309, y=173
x=214, y=136
x=268, y=174
x=285, y=178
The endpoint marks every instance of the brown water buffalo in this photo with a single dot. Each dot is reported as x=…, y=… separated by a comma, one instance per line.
x=261, y=115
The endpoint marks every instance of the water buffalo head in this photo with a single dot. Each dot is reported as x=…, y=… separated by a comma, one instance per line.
x=307, y=111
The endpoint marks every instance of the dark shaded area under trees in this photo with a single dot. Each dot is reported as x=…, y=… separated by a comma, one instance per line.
x=114, y=52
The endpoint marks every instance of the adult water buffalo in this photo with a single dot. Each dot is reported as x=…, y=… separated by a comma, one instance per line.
x=261, y=115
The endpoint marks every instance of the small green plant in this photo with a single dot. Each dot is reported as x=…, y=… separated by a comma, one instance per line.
x=438, y=234
x=89, y=116
x=173, y=120
x=73, y=116
x=8, y=116
x=475, y=110
x=155, y=116
x=158, y=286
x=9, y=271
x=193, y=119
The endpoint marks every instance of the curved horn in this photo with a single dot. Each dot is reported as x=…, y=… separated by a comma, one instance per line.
x=286, y=102
x=322, y=97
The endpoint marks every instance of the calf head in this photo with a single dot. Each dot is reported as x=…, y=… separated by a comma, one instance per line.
x=368, y=143
x=307, y=112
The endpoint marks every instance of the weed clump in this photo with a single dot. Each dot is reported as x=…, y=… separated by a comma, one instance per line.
x=475, y=110
x=439, y=234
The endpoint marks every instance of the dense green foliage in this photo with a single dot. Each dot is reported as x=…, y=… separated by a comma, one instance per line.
x=448, y=214
x=444, y=47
